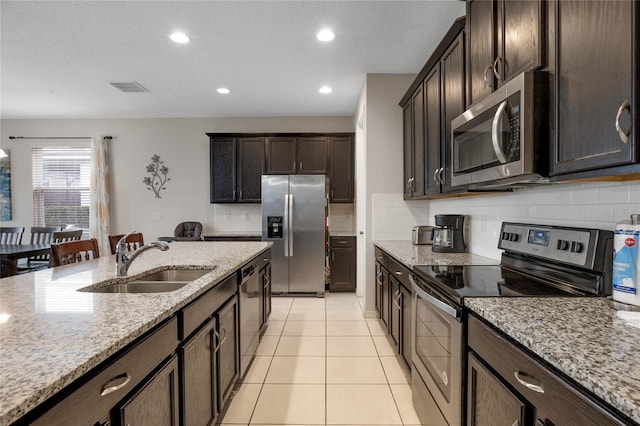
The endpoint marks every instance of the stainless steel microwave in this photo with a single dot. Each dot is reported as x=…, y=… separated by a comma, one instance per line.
x=503, y=139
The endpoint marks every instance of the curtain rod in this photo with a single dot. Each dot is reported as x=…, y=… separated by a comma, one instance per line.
x=55, y=137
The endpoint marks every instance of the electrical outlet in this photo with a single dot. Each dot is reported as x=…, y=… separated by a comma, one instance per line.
x=246, y=216
x=157, y=216
x=228, y=217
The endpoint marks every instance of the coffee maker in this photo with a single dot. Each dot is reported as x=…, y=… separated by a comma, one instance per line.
x=450, y=234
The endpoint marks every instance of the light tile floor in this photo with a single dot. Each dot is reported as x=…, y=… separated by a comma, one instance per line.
x=320, y=362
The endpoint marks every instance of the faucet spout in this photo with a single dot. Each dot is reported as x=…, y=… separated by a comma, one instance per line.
x=123, y=261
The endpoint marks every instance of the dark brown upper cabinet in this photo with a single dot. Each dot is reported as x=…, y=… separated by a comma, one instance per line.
x=297, y=155
x=281, y=156
x=435, y=98
x=341, y=169
x=414, y=143
x=236, y=168
x=504, y=38
x=596, y=79
x=222, y=170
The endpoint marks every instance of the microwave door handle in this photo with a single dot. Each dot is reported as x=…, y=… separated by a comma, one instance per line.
x=497, y=120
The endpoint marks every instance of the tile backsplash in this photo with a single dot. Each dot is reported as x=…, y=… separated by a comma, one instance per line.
x=234, y=218
x=341, y=218
x=393, y=218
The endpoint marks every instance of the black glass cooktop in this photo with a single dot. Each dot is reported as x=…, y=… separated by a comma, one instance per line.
x=459, y=282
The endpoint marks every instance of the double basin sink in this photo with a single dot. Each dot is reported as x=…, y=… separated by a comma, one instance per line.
x=156, y=282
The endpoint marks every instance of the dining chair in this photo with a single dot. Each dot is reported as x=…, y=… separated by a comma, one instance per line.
x=74, y=252
x=11, y=235
x=64, y=236
x=40, y=235
x=133, y=241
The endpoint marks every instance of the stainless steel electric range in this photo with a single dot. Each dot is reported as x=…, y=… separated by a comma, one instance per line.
x=538, y=261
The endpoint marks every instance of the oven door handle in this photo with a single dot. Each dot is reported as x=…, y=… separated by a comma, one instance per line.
x=497, y=119
x=449, y=310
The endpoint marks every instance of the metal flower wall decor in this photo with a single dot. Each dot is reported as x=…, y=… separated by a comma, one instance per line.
x=158, y=175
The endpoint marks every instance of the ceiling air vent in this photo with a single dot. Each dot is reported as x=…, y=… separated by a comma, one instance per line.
x=128, y=86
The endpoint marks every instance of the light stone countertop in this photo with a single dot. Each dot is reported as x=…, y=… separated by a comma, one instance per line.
x=55, y=334
x=581, y=337
x=410, y=254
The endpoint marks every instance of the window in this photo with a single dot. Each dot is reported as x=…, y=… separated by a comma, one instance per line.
x=61, y=186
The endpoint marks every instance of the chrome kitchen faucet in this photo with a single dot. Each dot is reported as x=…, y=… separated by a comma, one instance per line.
x=123, y=261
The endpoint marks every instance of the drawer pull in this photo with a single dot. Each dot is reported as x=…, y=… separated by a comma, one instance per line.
x=398, y=273
x=342, y=241
x=106, y=389
x=528, y=381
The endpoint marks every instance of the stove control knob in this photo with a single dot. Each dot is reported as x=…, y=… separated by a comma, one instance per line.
x=577, y=247
x=514, y=237
x=563, y=245
x=505, y=236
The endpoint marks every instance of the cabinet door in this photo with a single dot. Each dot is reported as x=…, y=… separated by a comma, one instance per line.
x=281, y=156
x=156, y=403
x=480, y=25
x=227, y=354
x=223, y=170
x=395, y=296
x=199, y=377
x=594, y=84
x=521, y=37
x=489, y=402
x=407, y=137
x=386, y=300
x=343, y=264
x=251, y=169
x=341, y=171
x=433, y=134
x=452, y=68
x=313, y=155
x=417, y=119
x=405, y=333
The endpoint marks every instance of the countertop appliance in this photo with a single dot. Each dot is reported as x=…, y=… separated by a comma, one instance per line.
x=422, y=235
x=450, y=233
x=293, y=219
x=502, y=139
x=538, y=260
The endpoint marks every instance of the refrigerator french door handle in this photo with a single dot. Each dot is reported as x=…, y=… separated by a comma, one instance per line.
x=285, y=231
x=290, y=225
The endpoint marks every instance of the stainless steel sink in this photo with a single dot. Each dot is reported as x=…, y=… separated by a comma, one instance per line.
x=181, y=275
x=141, y=287
x=156, y=282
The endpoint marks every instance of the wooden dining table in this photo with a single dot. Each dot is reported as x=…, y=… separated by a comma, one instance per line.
x=10, y=253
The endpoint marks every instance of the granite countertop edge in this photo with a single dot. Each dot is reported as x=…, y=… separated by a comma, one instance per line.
x=409, y=254
x=28, y=399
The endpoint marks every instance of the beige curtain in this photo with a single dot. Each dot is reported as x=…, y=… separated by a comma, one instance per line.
x=100, y=228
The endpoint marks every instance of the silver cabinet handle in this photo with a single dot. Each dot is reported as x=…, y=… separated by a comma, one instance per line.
x=224, y=336
x=379, y=279
x=398, y=273
x=409, y=184
x=495, y=139
x=624, y=136
x=441, y=170
x=495, y=68
x=435, y=174
x=486, y=74
x=516, y=423
x=528, y=381
x=217, y=336
x=106, y=389
x=342, y=242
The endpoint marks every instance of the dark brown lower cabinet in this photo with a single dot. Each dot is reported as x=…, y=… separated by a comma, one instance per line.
x=227, y=361
x=198, y=357
x=489, y=402
x=156, y=403
x=343, y=264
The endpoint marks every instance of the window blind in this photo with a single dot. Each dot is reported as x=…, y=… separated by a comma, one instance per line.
x=61, y=186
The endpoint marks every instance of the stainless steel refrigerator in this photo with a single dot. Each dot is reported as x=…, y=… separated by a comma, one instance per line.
x=293, y=218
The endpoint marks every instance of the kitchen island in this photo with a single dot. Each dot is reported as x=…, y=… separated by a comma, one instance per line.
x=51, y=334
x=580, y=337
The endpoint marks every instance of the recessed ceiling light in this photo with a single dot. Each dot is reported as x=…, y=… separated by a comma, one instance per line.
x=223, y=90
x=326, y=35
x=325, y=90
x=179, y=37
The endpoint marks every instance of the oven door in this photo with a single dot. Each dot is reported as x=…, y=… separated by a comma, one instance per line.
x=437, y=356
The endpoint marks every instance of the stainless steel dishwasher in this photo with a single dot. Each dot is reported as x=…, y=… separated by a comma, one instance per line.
x=249, y=315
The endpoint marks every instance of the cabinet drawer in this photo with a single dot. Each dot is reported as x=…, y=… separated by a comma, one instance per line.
x=557, y=400
x=382, y=257
x=204, y=306
x=346, y=242
x=400, y=272
x=92, y=400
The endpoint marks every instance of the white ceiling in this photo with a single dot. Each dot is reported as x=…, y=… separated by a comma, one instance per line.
x=58, y=56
